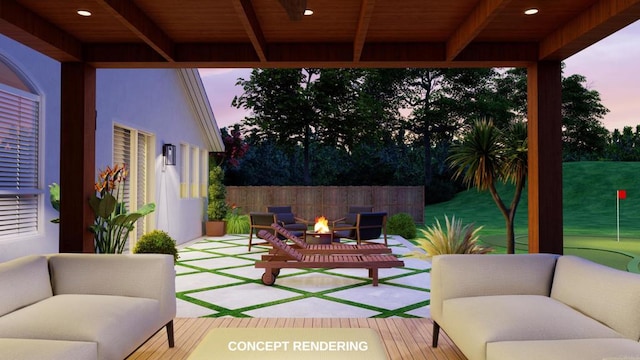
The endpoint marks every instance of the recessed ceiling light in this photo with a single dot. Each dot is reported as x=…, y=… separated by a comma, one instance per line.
x=308, y=12
x=531, y=11
x=83, y=12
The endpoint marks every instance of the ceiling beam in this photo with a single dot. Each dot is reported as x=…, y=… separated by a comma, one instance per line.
x=22, y=25
x=140, y=24
x=140, y=55
x=282, y=55
x=477, y=20
x=294, y=8
x=301, y=52
x=366, y=10
x=499, y=52
x=129, y=53
x=217, y=53
x=593, y=25
x=410, y=52
x=249, y=20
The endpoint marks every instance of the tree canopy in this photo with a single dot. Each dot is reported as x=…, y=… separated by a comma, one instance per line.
x=396, y=126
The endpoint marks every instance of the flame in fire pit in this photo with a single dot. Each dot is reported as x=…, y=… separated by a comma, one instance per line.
x=322, y=225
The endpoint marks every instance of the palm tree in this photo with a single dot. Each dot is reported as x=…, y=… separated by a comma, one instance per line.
x=487, y=155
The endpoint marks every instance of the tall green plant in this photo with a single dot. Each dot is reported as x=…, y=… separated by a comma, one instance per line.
x=455, y=238
x=217, y=208
x=113, y=222
x=488, y=155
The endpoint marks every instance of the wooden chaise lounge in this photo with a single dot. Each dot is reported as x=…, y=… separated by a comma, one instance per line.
x=296, y=260
x=335, y=248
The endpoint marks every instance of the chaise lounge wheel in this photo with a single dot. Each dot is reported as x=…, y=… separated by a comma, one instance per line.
x=275, y=272
x=268, y=279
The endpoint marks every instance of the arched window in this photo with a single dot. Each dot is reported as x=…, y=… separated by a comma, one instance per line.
x=19, y=155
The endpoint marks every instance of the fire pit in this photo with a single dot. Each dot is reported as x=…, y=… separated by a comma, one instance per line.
x=321, y=233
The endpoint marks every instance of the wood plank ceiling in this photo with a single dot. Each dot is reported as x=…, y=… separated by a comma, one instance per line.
x=340, y=33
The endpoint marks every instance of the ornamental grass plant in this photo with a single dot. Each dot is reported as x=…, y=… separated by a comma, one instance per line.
x=237, y=223
x=455, y=238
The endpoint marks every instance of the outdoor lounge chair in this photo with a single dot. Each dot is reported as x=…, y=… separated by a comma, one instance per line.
x=288, y=220
x=350, y=218
x=262, y=220
x=259, y=221
x=334, y=248
x=296, y=260
x=368, y=226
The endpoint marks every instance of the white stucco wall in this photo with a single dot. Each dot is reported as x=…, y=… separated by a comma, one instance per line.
x=153, y=101
x=44, y=76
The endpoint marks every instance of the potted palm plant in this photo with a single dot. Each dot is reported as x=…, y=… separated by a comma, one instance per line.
x=217, y=207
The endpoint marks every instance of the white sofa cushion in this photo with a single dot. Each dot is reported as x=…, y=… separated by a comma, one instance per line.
x=32, y=349
x=137, y=275
x=472, y=322
x=579, y=349
x=608, y=295
x=455, y=276
x=119, y=324
x=23, y=282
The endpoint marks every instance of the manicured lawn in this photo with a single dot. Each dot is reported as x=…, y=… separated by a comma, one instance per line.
x=589, y=213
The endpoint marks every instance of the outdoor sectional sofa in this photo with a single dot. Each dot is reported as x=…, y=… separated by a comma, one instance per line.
x=84, y=306
x=535, y=306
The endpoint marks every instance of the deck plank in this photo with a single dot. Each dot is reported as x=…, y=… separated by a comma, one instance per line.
x=403, y=339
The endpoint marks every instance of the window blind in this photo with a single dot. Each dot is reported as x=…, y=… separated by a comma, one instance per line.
x=131, y=147
x=122, y=155
x=141, y=186
x=19, y=155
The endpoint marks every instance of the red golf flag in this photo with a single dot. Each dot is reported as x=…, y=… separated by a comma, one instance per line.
x=622, y=194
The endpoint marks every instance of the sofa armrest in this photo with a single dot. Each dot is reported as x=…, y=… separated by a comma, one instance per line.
x=137, y=275
x=455, y=276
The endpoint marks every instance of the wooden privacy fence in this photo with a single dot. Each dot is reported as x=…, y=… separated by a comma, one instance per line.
x=309, y=202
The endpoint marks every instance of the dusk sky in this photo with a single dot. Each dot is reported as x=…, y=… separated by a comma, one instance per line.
x=611, y=67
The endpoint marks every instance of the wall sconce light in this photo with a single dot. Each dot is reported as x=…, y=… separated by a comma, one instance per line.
x=169, y=154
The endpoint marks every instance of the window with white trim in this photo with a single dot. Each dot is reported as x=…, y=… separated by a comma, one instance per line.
x=19, y=162
x=184, y=174
x=195, y=172
x=204, y=172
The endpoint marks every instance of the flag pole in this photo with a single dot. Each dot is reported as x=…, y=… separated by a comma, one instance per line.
x=618, y=213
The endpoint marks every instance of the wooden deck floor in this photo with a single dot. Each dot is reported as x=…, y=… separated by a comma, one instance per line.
x=402, y=338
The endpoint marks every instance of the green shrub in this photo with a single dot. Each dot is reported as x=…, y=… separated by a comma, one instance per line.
x=236, y=222
x=217, y=207
x=402, y=224
x=455, y=239
x=156, y=242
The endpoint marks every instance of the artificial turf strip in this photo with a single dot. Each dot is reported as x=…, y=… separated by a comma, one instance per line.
x=202, y=252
